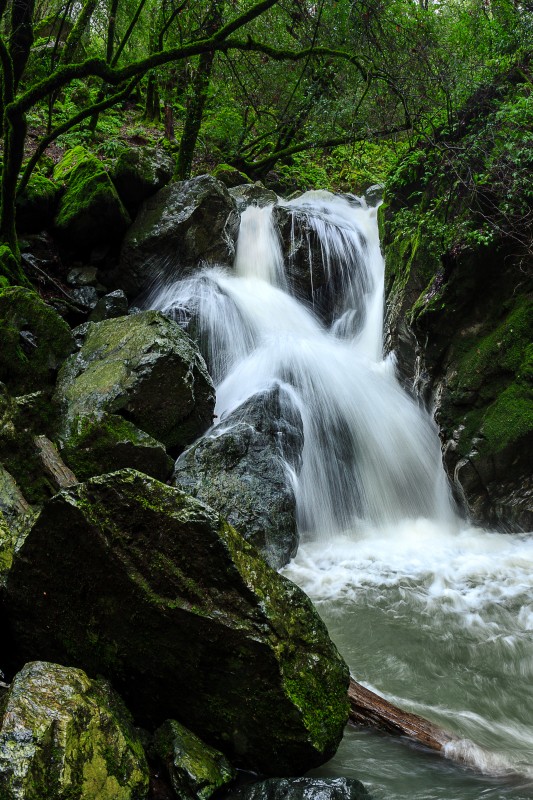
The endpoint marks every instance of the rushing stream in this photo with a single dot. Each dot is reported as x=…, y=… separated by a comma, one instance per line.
x=433, y=614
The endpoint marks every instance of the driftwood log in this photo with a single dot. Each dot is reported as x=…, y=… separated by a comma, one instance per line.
x=368, y=708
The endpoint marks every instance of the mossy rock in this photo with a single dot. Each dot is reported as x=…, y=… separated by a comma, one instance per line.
x=35, y=341
x=15, y=517
x=36, y=204
x=230, y=176
x=71, y=159
x=130, y=578
x=195, y=770
x=63, y=736
x=139, y=173
x=144, y=368
x=90, y=211
x=11, y=273
x=110, y=443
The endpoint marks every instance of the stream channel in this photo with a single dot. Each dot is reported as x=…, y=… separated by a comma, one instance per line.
x=428, y=611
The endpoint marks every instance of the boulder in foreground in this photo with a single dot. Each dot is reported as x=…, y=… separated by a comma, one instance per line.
x=63, y=736
x=130, y=578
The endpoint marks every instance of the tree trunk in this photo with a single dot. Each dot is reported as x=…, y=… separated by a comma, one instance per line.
x=194, y=115
x=152, y=110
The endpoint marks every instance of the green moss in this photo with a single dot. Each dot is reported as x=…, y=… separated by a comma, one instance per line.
x=36, y=204
x=11, y=273
x=35, y=340
x=72, y=159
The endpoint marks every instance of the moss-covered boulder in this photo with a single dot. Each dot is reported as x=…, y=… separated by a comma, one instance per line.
x=36, y=204
x=11, y=273
x=195, y=770
x=143, y=368
x=241, y=469
x=15, y=515
x=35, y=341
x=90, y=211
x=301, y=789
x=230, y=176
x=139, y=173
x=183, y=225
x=103, y=444
x=130, y=578
x=65, y=736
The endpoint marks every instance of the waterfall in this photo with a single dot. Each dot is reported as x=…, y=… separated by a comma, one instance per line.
x=432, y=613
x=371, y=454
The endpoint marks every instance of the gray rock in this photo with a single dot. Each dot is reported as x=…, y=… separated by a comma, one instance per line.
x=114, y=304
x=301, y=789
x=64, y=735
x=238, y=469
x=248, y=194
x=143, y=368
x=15, y=515
x=86, y=296
x=374, y=195
x=195, y=770
x=183, y=225
x=83, y=276
x=133, y=579
x=139, y=173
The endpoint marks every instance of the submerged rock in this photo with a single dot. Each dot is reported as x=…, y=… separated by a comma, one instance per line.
x=144, y=369
x=239, y=469
x=183, y=225
x=196, y=770
x=63, y=735
x=135, y=580
x=301, y=789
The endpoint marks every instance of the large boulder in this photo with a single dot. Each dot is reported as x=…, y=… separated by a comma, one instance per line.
x=301, y=789
x=90, y=211
x=130, y=578
x=143, y=372
x=241, y=467
x=35, y=341
x=139, y=173
x=255, y=194
x=183, y=225
x=63, y=736
x=195, y=770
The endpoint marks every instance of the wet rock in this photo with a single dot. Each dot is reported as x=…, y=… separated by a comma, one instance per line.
x=90, y=211
x=301, y=789
x=230, y=176
x=145, y=369
x=114, y=304
x=183, y=225
x=374, y=195
x=83, y=276
x=35, y=341
x=139, y=173
x=196, y=770
x=85, y=296
x=111, y=442
x=252, y=194
x=15, y=514
x=238, y=468
x=64, y=735
x=133, y=579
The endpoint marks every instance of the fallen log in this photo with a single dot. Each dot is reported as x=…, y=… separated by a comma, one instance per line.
x=368, y=708
x=54, y=466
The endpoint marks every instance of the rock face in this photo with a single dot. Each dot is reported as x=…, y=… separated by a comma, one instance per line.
x=145, y=375
x=301, y=789
x=63, y=735
x=35, y=341
x=238, y=469
x=196, y=770
x=139, y=173
x=90, y=211
x=252, y=194
x=461, y=315
x=183, y=225
x=135, y=580
x=14, y=514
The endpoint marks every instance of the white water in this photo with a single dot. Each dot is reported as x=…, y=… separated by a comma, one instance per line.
x=434, y=614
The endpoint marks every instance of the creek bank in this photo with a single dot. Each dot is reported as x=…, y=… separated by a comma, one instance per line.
x=460, y=288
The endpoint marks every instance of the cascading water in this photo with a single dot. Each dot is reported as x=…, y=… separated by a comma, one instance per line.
x=435, y=616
